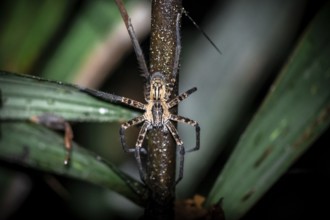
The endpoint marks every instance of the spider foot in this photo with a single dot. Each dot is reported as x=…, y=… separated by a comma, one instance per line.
x=181, y=163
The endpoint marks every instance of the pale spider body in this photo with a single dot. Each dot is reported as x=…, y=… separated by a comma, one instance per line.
x=157, y=112
x=157, y=115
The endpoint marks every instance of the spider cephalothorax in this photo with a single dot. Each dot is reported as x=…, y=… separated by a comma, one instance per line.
x=158, y=87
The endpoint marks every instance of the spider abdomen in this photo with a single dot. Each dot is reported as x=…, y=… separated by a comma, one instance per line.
x=159, y=114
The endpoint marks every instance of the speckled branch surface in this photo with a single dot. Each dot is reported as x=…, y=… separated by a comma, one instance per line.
x=161, y=156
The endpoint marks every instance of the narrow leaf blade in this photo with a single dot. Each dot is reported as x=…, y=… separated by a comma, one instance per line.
x=23, y=97
x=34, y=146
x=295, y=112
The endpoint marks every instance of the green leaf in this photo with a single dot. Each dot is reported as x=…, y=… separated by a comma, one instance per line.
x=89, y=29
x=23, y=97
x=294, y=114
x=26, y=29
x=34, y=146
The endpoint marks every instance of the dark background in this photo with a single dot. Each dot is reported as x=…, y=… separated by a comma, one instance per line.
x=301, y=193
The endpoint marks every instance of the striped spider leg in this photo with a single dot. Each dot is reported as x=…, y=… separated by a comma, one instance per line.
x=157, y=109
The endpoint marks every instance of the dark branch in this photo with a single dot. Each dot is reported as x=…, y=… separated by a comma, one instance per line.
x=161, y=157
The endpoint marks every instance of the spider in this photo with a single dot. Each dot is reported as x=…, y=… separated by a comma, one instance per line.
x=157, y=109
x=157, y=115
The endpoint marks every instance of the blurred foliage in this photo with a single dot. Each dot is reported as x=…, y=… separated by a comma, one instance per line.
x=45, y=151
x=28, y=27
x=294, y=114
x=91, y=25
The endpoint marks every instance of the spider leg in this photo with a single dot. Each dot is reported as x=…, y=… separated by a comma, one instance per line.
x=179, y=143
x=181, y=97
x=146, y=91
x=188, y=121
x=138, y=50
x=138, y=147
x=133, y=103
x=113, y=98
x=99, y=94
x=178, y=46
x=135, y=42
x=125, y=126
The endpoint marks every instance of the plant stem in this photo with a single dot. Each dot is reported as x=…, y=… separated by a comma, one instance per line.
x=161, y=155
